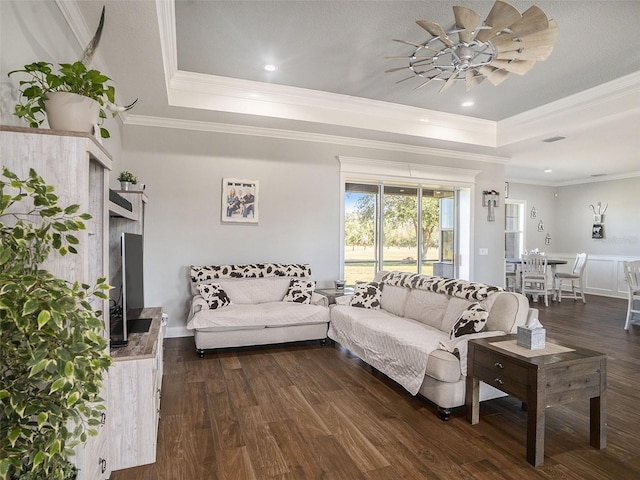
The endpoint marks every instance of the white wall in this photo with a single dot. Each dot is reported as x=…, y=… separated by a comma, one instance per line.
x=299, y=207
x=299, y=181
x=568, y=218
x=34, y=31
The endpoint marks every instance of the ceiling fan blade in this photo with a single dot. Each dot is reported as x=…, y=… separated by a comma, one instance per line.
x=449, y=81
x=537, y=54
x=532, y=21
x=406, y=42
x=519, y=67
x=472, y=79
x=540, y=43
x=391, y=70
x=495, y=76
x=467, y=20
x=501, y=16
x=436, y=30
x=427, y=82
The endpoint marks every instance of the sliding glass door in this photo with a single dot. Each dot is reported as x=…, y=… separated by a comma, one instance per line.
x=398, y=227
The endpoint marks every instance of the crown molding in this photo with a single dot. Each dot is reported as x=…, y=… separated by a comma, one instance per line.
x=375, y=169
x=596, y=104
x=605, y=178
x=234, y=129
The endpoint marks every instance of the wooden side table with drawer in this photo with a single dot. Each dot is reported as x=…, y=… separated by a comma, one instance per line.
x=557, y=375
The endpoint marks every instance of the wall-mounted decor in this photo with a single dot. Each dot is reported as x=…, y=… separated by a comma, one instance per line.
x=534, y=213
x=547, y=239
x=540, y=226
x=239, y=200
x=491, y=199
x=597, y=231
x=506, y=189
x=598, y=216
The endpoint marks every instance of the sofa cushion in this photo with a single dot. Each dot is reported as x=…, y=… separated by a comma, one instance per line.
x=472, y=320
x=300, y=291
x=455, y=307
x=255, y=290
x=393, y=299
x=214, y=295
x=367, y=295
x=426, y=307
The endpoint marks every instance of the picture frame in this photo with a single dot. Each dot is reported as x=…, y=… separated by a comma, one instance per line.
x=597, y=231
x=240, y=201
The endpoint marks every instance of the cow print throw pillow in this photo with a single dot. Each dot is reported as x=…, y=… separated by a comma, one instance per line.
x=367, y=295
x=300, y=291
x=214, y=295
x=472, y=320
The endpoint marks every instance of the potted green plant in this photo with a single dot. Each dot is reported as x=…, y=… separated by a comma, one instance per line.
x=45, y=91
x=53, y=356
x=127, y=180
x=74, y=91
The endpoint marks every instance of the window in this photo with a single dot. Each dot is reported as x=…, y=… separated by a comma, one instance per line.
x=514, y=228
x=386, y=227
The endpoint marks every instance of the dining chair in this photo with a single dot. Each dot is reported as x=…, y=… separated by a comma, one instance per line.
x=534, y=276
x=576, y=276
x=632, y=275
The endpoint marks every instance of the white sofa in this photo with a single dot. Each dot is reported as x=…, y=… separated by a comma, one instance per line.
x=406, y=332
x=256, y=304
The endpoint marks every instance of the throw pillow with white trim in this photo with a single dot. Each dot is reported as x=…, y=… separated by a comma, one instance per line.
x=367, y=295
x=300, y=291
x=214, y=295
x=472, y=320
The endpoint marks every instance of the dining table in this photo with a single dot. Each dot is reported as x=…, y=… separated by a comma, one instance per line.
x=551, y=262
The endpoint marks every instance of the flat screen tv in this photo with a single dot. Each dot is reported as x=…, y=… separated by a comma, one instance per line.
x=130, y=321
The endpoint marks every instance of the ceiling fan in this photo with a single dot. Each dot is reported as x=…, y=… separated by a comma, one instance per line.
x=506, y=42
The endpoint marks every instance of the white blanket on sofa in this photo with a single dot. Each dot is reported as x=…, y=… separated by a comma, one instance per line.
x=273, y=314
x=398, y=347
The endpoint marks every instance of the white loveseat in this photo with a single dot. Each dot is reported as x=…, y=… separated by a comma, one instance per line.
x=256, y=304
x=403, y=329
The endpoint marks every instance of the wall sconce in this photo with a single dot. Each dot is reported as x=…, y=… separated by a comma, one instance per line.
x=533, y=214
x=491, y=199
x=547, y=239
x=540, y=226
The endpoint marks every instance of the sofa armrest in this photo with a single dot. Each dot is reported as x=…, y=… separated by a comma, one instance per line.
x=319, y=299
x=458, y=346
x=197, y=303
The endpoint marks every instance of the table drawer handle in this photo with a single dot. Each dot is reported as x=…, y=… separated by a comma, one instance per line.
x=498, y=365
x=498, y=381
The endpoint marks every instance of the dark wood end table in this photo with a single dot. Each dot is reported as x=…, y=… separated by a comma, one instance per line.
x=546, y=379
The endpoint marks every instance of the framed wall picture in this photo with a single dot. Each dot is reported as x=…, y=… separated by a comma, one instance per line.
x=597, y=231
x=239, y=200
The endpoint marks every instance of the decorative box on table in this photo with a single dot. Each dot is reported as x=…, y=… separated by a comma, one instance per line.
x=531, y=338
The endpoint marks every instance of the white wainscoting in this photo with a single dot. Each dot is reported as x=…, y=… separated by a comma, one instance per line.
x=604, y=274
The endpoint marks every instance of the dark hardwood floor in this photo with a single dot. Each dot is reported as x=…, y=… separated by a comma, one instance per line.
x=304, y=411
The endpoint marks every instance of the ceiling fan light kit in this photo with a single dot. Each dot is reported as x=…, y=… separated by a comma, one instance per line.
x=506, y=42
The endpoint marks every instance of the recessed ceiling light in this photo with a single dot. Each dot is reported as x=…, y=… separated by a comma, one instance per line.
x=269, y=67
x=468, y=103
x=548, y=170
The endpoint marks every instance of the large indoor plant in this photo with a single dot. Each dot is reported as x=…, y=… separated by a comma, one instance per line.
x=53, y=355
x=41, y=83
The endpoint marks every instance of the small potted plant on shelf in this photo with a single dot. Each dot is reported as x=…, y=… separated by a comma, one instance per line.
x=127, y=180
x=53, y=356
